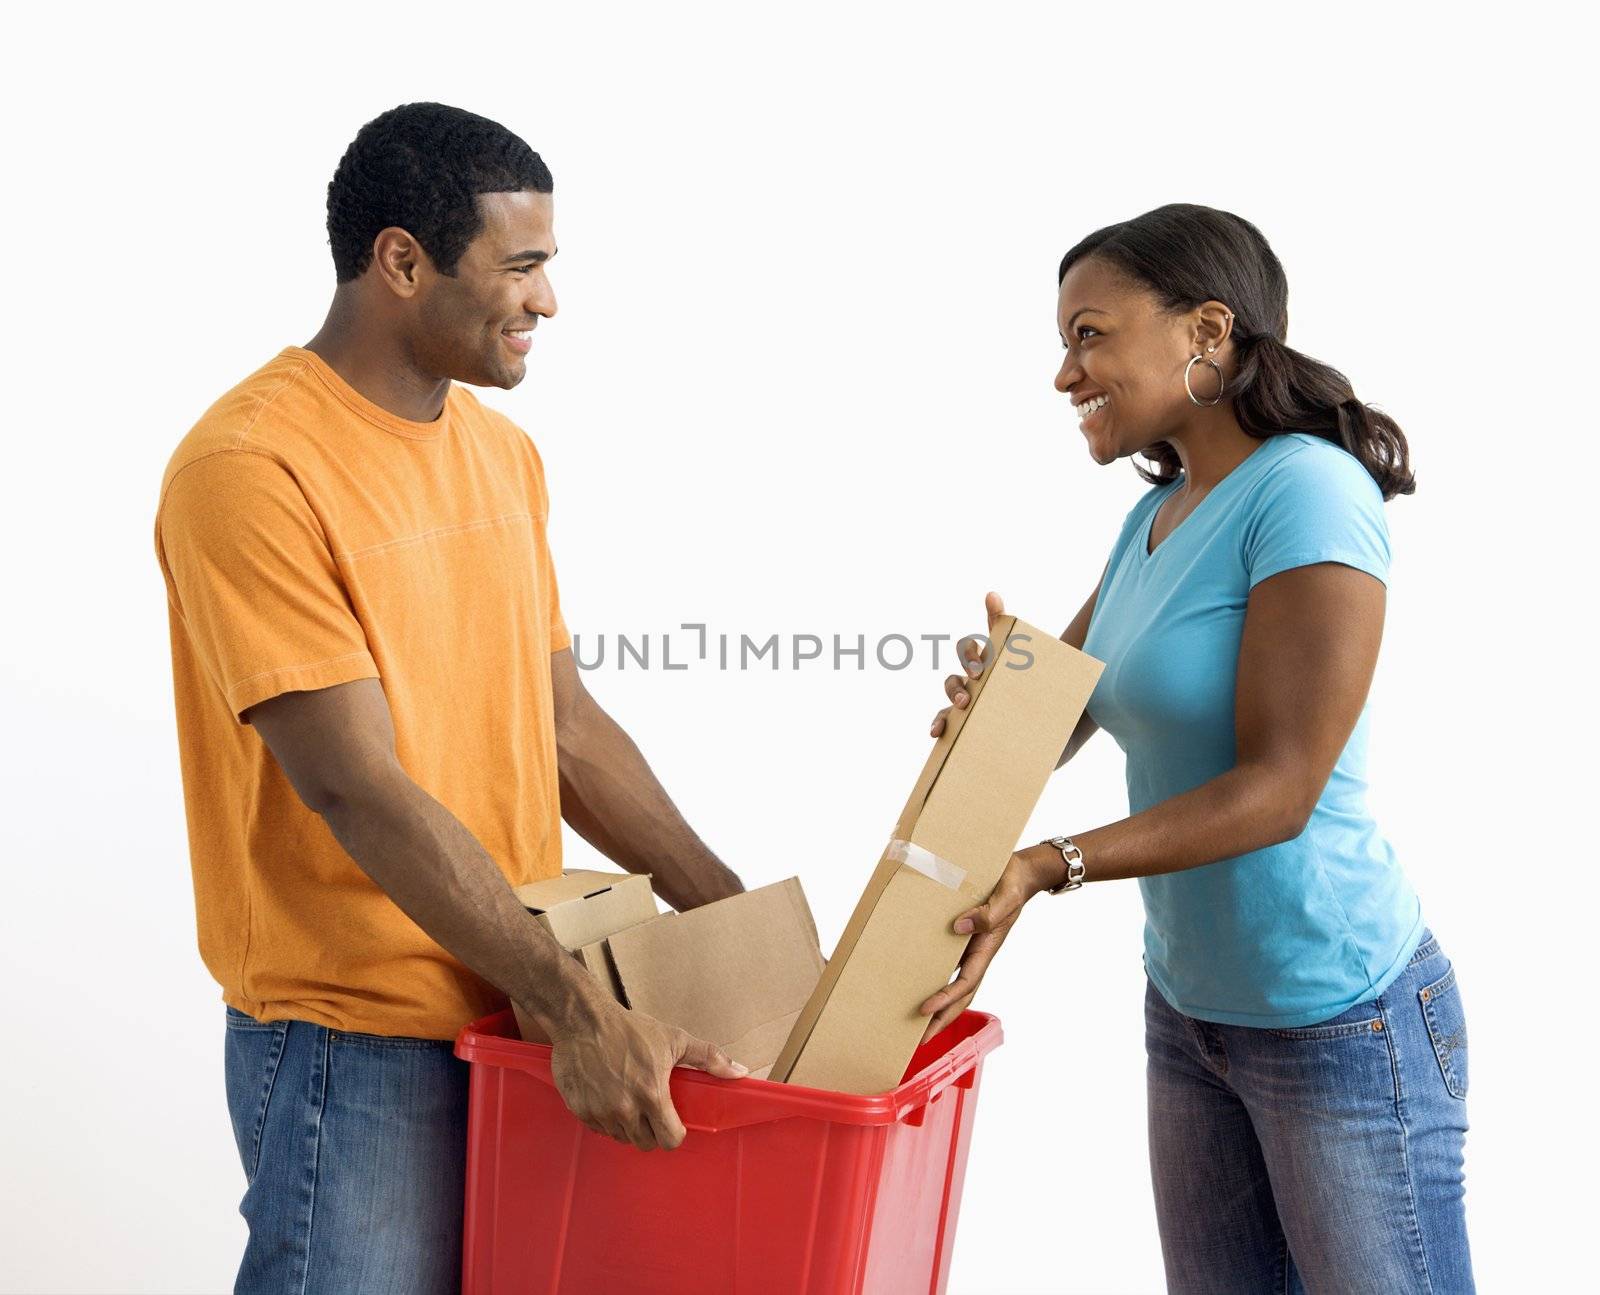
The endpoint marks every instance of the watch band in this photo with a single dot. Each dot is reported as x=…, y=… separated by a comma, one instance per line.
x=1074, y=861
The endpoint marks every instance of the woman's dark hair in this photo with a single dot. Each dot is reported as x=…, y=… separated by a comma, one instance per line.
x=421, y=166
x=1188, y=254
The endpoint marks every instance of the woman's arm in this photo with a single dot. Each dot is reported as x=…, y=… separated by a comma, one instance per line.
x=1306, y=660
x=1074, y=636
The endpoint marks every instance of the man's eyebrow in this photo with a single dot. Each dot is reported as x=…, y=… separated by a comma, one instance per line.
x=532, y=254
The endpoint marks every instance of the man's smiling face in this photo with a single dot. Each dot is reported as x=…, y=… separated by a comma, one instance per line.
x=476, y=326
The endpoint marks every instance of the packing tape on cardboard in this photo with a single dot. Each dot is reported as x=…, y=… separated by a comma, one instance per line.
x=926, y=862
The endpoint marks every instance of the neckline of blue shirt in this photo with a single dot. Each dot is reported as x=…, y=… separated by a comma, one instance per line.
x=1145, y=531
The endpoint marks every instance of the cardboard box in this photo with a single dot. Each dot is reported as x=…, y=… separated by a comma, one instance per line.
x=736, y=972
x=957, y=832
x=579, y=908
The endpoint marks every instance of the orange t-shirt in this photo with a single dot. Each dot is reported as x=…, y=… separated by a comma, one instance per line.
x=308, y=537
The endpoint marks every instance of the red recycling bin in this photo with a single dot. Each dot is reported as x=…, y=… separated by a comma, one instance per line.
x=777, y=1189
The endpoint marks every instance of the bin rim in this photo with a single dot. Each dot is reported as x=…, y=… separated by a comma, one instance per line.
x=709, y=1104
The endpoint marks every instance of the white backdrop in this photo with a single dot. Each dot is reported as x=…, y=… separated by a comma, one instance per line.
x=800, y=382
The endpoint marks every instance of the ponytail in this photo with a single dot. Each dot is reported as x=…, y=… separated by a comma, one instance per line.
x=1278, y=389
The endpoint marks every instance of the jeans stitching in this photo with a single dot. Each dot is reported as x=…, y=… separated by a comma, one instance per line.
x=1427, y=949
x=1313, y=1033
x=1413, y=1223
x=274, y=1057
x=387, y=1041
x=320, y=1100
x=1443, y=1050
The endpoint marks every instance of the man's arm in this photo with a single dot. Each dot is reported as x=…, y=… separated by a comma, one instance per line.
x=336, y=746
x=614, y=801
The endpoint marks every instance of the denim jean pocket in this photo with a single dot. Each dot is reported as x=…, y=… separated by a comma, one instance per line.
x=251, y=1058
x=1447, y=1028
x=237, y=1020
x=1363, y=1018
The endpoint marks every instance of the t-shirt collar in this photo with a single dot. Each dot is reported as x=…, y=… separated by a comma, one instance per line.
x=366, y=409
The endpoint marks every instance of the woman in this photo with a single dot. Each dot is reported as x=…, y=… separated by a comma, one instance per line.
x=1306, y=1043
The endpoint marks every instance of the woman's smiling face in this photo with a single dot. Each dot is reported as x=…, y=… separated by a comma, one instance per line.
x=1124, y=360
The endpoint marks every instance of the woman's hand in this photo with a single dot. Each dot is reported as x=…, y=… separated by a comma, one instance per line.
x=1031, y=870
x=970, y=655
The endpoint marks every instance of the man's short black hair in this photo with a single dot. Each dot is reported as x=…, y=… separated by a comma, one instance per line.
x=421, y=166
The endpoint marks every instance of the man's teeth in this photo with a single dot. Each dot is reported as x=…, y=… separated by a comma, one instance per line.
x=520, y=333
x=1090, y=405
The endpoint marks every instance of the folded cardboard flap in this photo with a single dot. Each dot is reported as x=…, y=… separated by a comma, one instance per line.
x=580, y=907
x=735, y=972
x=966, y=812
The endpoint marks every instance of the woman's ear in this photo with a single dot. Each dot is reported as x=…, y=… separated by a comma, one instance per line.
x=1213, y=326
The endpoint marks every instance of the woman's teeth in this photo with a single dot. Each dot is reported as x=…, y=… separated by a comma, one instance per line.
x=1090, y=405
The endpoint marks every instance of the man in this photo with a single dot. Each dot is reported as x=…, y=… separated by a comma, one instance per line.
x=381, y=725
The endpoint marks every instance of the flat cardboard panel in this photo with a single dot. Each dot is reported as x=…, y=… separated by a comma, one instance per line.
x=969, y=806
x=735, y=972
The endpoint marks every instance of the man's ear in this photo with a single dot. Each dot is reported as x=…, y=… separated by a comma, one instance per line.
x=398, y=260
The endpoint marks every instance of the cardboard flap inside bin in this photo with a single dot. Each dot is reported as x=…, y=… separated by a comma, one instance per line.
x=736, y=972
x=578, y=908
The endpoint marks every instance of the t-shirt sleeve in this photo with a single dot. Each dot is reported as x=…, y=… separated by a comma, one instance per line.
x=1317, y=506
x=254, y=582
x=560, y=638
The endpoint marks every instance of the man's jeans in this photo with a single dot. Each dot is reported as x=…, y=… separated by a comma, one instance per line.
x=1326, y=1158
x=354, y=1151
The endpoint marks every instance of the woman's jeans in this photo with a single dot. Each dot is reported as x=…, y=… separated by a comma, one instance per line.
x=354, y=1152
x=1320, y=1159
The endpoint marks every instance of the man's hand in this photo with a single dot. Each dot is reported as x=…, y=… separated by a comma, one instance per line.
x=1028, y=872
x=613, y=1075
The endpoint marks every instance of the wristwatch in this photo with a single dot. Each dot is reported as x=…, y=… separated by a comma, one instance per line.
x=1074, y=859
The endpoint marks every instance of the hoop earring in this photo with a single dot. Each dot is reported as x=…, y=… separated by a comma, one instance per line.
x=1222, y=382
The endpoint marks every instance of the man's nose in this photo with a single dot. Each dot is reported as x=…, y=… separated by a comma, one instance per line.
x=541, y=298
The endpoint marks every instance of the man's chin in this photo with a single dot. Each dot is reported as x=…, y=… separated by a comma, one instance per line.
x=500, y=374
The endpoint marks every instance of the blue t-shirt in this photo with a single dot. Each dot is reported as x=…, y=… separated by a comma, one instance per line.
x=1294, y=933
